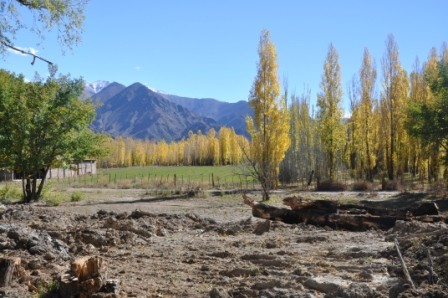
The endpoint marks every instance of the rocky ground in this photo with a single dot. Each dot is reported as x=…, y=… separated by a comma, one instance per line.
x=212, y=247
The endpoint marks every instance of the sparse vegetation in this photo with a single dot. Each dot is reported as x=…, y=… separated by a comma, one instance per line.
x=390, y=185
x=329, y=185
x=54, y=196
x=175, y=178
x=362, y=186
x=10, y=192
x=47, y=290
x=76, y=196
x=54, y=199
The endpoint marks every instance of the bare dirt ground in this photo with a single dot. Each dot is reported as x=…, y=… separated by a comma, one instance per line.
x=206, y=247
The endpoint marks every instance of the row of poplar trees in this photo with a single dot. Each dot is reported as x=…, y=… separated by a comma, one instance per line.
x=224, y=147
x=400, y=129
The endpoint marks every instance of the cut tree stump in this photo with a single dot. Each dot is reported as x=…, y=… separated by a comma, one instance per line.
x=7, y=269
x=85, y=277
x=340, y=216
x=87, y=267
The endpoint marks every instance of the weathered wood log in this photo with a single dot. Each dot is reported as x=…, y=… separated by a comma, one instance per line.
x=7, y=269
x=321, y=206
x=362, y=222
x=426, y=208
x=334, y=215
x=325, y=206
x=423, y=209
x=336, y=221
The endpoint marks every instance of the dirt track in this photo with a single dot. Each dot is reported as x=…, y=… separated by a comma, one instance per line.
x=206, y=247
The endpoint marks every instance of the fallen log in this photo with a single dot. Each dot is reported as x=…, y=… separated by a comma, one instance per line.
x=321, y=206
x=325, y=206
x=337, y=216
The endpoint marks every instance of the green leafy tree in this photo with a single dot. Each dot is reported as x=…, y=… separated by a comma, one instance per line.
x=269, y=128
x=329, y=117
x=419, y=93
x=44, y=124
x=428, y=119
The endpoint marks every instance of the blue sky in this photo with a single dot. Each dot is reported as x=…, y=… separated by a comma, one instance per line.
x=203, y=48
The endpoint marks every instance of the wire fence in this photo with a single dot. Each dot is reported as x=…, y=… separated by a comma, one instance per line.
x=182, y=182
x=157, y=182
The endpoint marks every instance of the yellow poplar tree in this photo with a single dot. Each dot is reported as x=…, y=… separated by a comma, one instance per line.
x=224, y=143
x=394, y=102
x=213, y=147
x=367, y=75
x=138, y=154
x=330, y=112
x=269, y=128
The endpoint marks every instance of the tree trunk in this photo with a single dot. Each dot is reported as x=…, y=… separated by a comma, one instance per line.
x=265, y=183
x=265, y=187
x=28, y=191
x=41, y=184
x=34, y=186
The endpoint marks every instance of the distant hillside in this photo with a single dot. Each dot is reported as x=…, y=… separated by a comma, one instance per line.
x=138, y=112
x=224, y=113
x=92, y=88
x=108, y=92
x=141, y=112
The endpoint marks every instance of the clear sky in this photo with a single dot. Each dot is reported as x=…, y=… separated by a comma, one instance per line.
x=208, y=49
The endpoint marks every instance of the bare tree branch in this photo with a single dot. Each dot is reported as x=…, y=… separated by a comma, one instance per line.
x=26, y=53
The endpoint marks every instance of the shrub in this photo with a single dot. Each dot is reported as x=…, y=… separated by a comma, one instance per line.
x=390, y=185
x=53, y=200
x=329, y=185
x=76, y=196
x=124, y=184
x=48, y=290
x=362, y=186
x=10, y=193
x=54, y=197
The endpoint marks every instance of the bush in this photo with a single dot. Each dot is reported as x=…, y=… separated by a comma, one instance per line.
x=390, y=185
x=48, y=290
x=53, y=200
x=76, y=196
x=329, y=185
x=54, y=197
x=124, y=184
x=10, y=192
x=362, y=186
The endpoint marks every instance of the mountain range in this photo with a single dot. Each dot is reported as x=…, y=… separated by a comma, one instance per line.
x=143, y=113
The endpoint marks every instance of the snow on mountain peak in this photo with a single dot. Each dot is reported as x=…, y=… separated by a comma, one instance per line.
x=97, y=86
x=151, y=88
